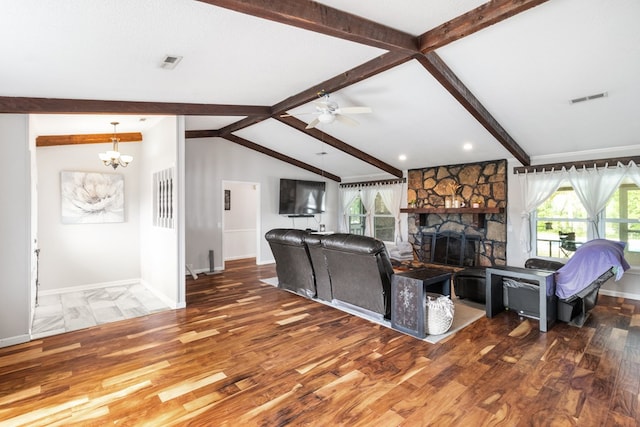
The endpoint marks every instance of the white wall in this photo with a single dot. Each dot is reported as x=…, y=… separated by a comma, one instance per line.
x=209, y=161
x=162, y=256
x=15, y=234
x=73, y=255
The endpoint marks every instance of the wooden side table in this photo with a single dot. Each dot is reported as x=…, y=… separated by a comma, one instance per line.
x=408, y=297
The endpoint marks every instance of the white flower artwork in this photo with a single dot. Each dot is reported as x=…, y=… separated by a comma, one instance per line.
x=91, y=197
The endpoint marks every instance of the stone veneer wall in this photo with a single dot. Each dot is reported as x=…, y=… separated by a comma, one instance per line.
x=485, y=182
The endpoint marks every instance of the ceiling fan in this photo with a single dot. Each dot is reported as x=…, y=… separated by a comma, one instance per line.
x=328, y=111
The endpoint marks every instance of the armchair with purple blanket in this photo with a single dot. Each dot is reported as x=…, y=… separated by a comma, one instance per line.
x=579, y=280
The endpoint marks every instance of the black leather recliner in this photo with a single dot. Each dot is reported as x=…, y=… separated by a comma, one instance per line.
x=319, y=263
x=360, y=270
x=293, y=265
x=574, y=309
x=543, y=264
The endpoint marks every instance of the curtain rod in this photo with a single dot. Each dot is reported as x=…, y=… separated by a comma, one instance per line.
x=580, y=164
x=368, y=183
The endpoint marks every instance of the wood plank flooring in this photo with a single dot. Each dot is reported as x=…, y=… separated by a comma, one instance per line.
x=244, y=353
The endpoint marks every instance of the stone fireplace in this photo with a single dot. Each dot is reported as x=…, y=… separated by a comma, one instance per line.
x=468, y=229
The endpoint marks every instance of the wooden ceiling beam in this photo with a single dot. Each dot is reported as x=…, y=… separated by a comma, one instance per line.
x=95, y=138
x=281, y=157
x=370, y=68
x=432, y=63
x=357, y=74
x=317, y=17
x=201, y=134
x=336, y=143
x=468, y=23
x=21, y=105
x=241, y=124
x=473, y=21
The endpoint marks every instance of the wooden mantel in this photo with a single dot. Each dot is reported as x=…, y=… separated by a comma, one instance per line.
x=478, y=214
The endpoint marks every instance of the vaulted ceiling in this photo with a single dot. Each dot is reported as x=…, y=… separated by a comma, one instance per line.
x=438, y=74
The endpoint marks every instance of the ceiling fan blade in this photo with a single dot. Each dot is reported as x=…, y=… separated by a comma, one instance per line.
x=346, y=120
x=354, y=110
x=313, y=123
x=297, y=114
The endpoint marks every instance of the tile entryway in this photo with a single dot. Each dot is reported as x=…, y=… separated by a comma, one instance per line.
x=71, y=311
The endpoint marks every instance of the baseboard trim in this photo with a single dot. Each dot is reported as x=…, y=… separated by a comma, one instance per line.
x=620, y=294
x=162, y=297
x=88, y=287
x=204, y=270
x=233, y=258
x=18, y=339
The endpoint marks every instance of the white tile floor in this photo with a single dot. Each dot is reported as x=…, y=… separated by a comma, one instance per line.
x=71, y=311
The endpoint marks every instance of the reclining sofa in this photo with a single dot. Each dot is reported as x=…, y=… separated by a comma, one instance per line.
x=346, y=268
x=293, y=268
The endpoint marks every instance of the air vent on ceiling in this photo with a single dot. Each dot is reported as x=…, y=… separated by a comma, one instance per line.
x=170, y=61
x=589, y=98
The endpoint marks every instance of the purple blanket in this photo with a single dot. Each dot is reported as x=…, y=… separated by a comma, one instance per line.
x=590, y=260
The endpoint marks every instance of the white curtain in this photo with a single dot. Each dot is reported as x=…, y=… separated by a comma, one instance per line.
x=368, y=197
x=535, y=188
x=392, y=197
x=594, y=188
x=633, y=172
x=347, y=196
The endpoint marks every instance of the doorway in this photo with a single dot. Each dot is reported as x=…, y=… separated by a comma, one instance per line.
x=240, y=220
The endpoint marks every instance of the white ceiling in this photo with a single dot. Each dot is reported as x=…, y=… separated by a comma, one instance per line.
x=524, y=71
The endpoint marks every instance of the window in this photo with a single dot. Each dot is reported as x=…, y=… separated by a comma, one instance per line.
x=622, y=220
x=383, y=220
x=356, y=217
x=561, y=225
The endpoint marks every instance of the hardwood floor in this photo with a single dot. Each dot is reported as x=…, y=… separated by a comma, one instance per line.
x=246, y=353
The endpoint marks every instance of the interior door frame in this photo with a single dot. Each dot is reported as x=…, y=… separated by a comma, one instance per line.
x=257, y=187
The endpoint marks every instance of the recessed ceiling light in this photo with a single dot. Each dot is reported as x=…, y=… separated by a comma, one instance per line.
x=402, y=157
x=467, y=146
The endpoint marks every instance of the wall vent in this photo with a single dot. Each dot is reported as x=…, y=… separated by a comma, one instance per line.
x=589, y=98
x=170, y=61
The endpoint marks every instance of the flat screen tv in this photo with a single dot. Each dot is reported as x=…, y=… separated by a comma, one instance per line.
x=301, y=198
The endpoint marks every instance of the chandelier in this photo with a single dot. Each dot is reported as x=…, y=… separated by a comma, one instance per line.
x=113, y=158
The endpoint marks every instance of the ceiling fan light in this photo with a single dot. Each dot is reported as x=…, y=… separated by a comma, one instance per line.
x=326, y=118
